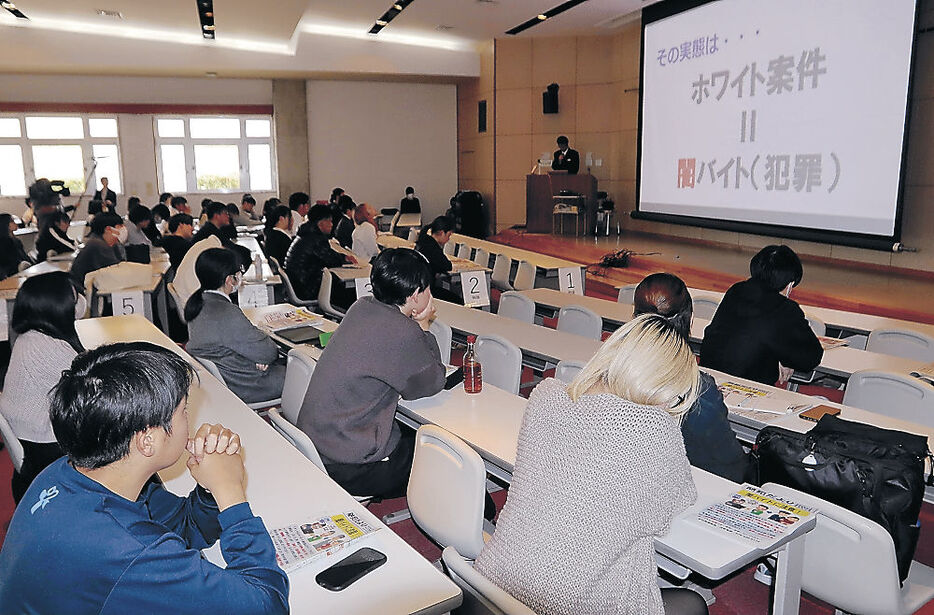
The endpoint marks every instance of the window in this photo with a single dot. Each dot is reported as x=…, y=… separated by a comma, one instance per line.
x=215, y=154
x=58, y=147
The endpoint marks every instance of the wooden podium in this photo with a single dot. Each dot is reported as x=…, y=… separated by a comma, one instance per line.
x=539, y=201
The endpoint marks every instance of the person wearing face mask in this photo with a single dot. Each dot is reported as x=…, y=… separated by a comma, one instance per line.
x=219, y=331
x=758, y=332
x=103, y=247
x=409, y=203
x=46, y=343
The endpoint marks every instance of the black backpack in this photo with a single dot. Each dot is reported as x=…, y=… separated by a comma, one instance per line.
x=877, y=473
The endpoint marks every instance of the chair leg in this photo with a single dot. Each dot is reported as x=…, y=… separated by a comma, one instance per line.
x=397, y=516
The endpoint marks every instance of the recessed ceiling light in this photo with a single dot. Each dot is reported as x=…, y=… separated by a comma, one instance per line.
x=8, y=5
x=543, y=17
x=380, y=22
x=552, y=12
x=109, y=13
x=208, y=27
x=391, y=13
x=398, y=7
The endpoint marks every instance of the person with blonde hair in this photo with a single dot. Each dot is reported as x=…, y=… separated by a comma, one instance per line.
x=600, y=472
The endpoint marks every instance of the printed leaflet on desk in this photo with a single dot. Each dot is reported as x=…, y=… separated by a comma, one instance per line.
x=299, y=545
x=755, y=516
x=756, y=403
x=288, y=318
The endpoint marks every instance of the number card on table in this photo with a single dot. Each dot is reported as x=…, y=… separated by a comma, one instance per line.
x=474, y=288
x=364, y=287
x=252, y=296
x=569, y=280
x=129, y=302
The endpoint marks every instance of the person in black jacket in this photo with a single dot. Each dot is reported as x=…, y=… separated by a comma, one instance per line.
x=177, y=241
x=278, y=234
x=565, y=158
x=410, y=203
x=311, y=252
x=343, y=223
x=106, y=195
x=11, y=248
x=708, y=438
x=219, y=225
x=54, y=237
x=430, y=244
x=758, y=332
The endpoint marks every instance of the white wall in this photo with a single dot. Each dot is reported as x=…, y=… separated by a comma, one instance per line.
x=374, y=139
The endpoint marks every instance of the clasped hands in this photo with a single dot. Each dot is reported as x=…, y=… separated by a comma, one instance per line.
x=215, y=462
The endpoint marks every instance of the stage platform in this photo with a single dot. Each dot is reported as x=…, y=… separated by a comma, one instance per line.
x=843, y=285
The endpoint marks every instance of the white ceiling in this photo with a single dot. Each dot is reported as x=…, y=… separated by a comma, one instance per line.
x=290, y=37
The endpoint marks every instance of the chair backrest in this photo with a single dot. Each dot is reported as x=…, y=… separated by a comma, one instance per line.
x=449, y=248
x=324, y=295
x=502, y=267
x=567, y=370
x=13, y=445
x=444, y=335
x=627, y=293
x=413, y=234
x=896, y=395
x=287, y=284
x=902, y=343
x=463, y=251
x=296, y=437
x=482, y=257
x=705, y=308
x=394, y=222
x=179, y=307
x=846, y=541
x=211, y=366
x=515, y=305
x=298, y=373
x=501, y=362
x=446, y=490
x=525, y=276
x=579, y=320
x=817, y=325
x=480, y=594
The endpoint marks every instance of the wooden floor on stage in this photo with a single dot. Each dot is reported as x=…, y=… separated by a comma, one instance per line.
x=844, y=285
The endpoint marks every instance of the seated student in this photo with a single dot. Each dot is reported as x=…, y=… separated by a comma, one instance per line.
x=333, y=200
x=54, y=237
x=219, y=331
x=278, y=235
x=270, y=205
x=299, y=203
x=311, y=252
x=103, y=247
x=46, y=343
x=381, y=351
x=364, y=236
x=97, y=531
x=430, y=244
x=343, y=224
x=708, y=438
x=758, y=332
x=218, y=225
x=410, y=203
x=160, y=218
x=607, y=446
x=11, y=248
x=178, y=239
x=248, y=214
x=139, y=218
x=180, y=206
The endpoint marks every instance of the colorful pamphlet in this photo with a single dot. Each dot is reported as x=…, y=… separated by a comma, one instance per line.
x=753, y=515
x=299, y=545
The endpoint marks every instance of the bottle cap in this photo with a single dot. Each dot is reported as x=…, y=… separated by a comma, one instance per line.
x=471, y=339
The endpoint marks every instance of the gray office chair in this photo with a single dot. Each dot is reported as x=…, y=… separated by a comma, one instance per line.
x=482, y=257
x=579, y=320
x=891, y=394
x=13, y=445
x=444, y=336
x=501, y=361
x=449, y=248
x=211, y=366
x=463, y=251
x=446, y=490
x=627, y=294
x=287, y=285
x=324, y=296
x=902, y=343
x=845, y=541
x=502, y=267
x=515, y=305
x=480, y=594
x=525, y=276
x=705, y=308
x=567, y=370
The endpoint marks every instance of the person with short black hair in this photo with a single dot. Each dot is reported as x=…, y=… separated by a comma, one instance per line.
x=381, y=351
x=410, y=203
x=139, y=218
x=270, y=205
x=178, y=239
x=102, y=248
x=106, y=195
x=180, y=205
x=132, y=202
x=165, y=199
x=11, y=248
x=430, y=244
x=565, y=158
x=219, y=331
x=160, y=217
x=300, y=204
x=54, y=239
x=46, y=343
x=343, y=224
x=248, y=210
x=336, y=194
x=98, y=533
x=758, y=332
x=278, y=235
x=708, y=438
x=311, y=252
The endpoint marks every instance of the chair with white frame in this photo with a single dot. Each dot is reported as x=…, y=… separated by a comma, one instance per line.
x=902, y=343
x=891, y=394
x=515, y=305
x=501, y=361
x=582, y=321
x=525, y=276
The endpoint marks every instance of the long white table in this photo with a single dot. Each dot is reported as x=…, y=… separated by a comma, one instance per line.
x=284, y=488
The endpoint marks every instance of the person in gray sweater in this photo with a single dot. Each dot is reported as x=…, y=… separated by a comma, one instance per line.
x=219, y=331
x=103, y=248
x=381, y=351
x=607, y=448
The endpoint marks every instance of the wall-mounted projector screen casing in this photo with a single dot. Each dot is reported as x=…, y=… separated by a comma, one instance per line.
x=779, y=118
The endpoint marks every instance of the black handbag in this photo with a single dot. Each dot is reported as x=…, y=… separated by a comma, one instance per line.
x=877, y=473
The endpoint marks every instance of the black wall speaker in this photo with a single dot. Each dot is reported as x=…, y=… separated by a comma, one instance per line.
x=481, y=116
x=550, y=99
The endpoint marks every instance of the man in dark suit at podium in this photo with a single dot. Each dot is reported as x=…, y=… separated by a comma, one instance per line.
x=105, y=194
x=566, y=159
